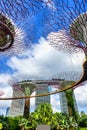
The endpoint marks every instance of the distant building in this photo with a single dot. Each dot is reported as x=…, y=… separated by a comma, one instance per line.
x=63, y=103
x=17, y=106
x=42, y=86
x=63, y=100
x=7, y=110
x=39, y=100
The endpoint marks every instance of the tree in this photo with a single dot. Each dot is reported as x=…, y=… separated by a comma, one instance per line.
x=82, y=113
x=4, y=122
x=44, y=115
x=1, y=126
x=13, y=123
x=83, y=121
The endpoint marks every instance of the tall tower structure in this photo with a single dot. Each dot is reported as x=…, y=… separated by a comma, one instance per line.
x=64, y=104
x=68, y=102
x=39, y=100
x=17, y=106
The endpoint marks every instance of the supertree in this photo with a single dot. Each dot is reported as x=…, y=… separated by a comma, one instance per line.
x=11, y=36
x=70, y=28
x=7, y=33
x=28, y=88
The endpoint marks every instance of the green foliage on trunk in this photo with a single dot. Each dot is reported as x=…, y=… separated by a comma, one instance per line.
x=70, y=100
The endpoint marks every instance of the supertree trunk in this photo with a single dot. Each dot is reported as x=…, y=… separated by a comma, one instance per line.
x=84, y=76
x=28, y=88
x=71, y=104
x=27, y=108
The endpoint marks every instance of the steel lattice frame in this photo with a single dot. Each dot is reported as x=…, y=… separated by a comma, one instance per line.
x=20, y=9
x=66, y=13
x=11, y=36
x=7, y=33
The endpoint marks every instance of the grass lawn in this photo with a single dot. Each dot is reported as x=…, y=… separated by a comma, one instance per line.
x=83, y=128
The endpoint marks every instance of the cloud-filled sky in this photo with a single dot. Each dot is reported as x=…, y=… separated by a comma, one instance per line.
x=42, y=62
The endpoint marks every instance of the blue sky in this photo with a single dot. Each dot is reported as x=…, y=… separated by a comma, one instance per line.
x=35, y=58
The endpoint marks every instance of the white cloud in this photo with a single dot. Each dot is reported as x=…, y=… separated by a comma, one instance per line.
x=4, y=85
x=4, y=78
x=81, y=97
x=6, y=88
x=44, y=61
x=4, y=104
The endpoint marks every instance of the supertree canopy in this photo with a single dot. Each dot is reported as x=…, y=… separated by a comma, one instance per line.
x=78, y=30
x=7, y=33
x=61, y=40
x=71, y=18
x=14, y=38
x=71, y=28
x=11, y=36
